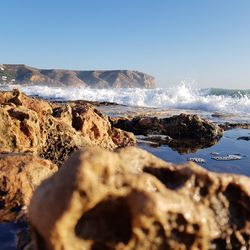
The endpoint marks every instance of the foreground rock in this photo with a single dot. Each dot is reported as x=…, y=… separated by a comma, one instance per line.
x=133, y=200
x=20, y=174
x=187, y=132
x=38, y=127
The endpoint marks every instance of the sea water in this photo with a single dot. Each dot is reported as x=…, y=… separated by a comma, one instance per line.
x=232, y=105
x=182, y=96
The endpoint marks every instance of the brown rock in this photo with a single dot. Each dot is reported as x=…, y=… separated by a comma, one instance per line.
x=133, y=200
x=96, y=128
x=33, y=125
x=20, y=174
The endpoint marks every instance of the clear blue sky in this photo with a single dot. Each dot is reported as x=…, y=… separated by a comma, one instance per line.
x=203, y=40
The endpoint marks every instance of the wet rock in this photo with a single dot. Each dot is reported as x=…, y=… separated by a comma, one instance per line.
x=23, y=238
x=20, y=174
x=223, y=115
x=187, y=133
x=227, y=125
x=36, y=126
x=133, y=200
x=178, y=126
x=245, y=138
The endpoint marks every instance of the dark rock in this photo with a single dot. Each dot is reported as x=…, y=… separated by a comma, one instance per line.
x=178, y=126
x=188, y=132
x=245, y=138
x=228, y=125
x=223, y=115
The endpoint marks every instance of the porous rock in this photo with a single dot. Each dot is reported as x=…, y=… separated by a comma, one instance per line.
x=35, y=126
x=133, y=200
x=20, y=174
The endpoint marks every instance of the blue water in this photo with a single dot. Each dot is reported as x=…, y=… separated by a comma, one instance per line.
x=227, y=145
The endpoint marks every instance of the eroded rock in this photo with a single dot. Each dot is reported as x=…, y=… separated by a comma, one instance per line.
x=20, y=174
x=35, y=126
x=133, y=200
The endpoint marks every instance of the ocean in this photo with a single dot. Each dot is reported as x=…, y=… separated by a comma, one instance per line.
x=218, y=105
x=183, y=96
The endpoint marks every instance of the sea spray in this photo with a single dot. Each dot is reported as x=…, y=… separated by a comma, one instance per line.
x=182, y=96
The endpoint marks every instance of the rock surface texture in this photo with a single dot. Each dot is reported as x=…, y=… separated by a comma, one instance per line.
x=21, y=74
x=186, y=132
x=54, y=132
x=178, y=126
x=20, y=174
x=133, y=200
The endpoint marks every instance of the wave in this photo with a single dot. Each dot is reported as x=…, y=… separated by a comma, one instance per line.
x=229, y=92
x=183, y=96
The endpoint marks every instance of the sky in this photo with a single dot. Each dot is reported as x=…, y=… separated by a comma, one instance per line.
x=202, y=41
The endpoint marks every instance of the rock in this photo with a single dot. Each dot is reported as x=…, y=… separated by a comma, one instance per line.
x=20, y=174
x=96, y=128
x=223, y=115
x=178, y=126
x=245, y=138
x=188, y=132
x=36, y=126
x=133, y=200
x=94, y=79
x=23, y=238
x=227, y=125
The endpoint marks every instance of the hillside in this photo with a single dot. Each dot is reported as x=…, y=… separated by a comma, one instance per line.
x=22, y=74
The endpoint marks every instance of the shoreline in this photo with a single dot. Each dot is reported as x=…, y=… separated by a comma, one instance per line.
x=54, y=130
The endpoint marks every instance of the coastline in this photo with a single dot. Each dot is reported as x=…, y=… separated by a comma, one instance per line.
x=69, y=120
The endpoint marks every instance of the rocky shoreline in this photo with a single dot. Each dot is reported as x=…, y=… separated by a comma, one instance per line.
x=74, y=167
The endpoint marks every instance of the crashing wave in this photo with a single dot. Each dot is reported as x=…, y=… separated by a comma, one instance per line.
x=182, y=96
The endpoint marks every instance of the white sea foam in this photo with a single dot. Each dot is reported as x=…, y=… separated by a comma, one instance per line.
x=182, y=96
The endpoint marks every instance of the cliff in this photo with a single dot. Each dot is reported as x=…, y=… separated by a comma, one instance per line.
x=22, y=74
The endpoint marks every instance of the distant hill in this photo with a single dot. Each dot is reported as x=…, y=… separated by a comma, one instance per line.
x=22, y=74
